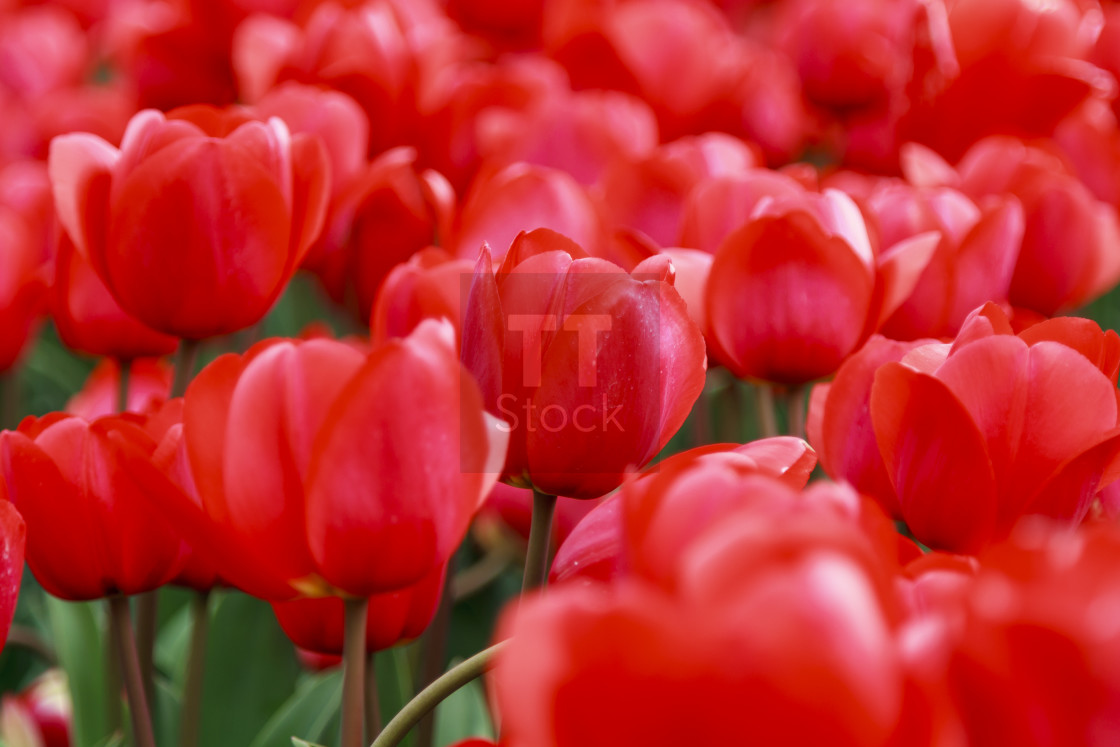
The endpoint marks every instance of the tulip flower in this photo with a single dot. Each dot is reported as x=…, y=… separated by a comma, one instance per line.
x=1066, y=257
x=429, y=286
x=996, y=426
x=194, y=229
x=22, y=286
x=609, y=541
x=149, y=382
x=323, y=470
x=761, y=634
x=95, y=528
x=316, y=625
x=593, y=369
x=797, y=288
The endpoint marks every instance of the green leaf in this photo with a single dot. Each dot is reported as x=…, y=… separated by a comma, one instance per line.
x=79, y=638
x=307, y=713
x=463, y=714
x=251, y=670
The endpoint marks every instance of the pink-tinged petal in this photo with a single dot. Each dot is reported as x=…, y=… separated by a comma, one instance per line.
x=923, y=167
x=996, y=401
x=529, y=244
x=311, y=191
x=483, y=343
x=1070, y=404
x=986, y=259
x=269, y=144
x=396, y=474
x=990, y=319
x=277, y=407
x=902, y=267
x=846, y=439
x=787, y=303
x=80, y=167
x=1083, y=335
x=262, y=45
x=814, y=421
x=1070, y=491
x=593, y=552
x=936, y=458
x=786, y=457
x=13, y=539
x=693, y=268
x=150, y=131
x=843, y=218
x=658, y=267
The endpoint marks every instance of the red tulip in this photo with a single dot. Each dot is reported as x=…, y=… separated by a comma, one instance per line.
x=1066, y=258
x=324, y=469
x=429, y=286
x=594, y=369
x=522, y=197
x=996, y=426
x=780, y=627
x=148, y=216
x=394, y=617
x=23, y=286
x=797, y=288
x=641, y=529
x=94, y=525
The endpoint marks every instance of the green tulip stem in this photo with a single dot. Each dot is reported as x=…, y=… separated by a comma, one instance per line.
x=147, y=618
x=433, y=652
x=353, y=673
x=540, y=528
x=434, y=694
x=795, y=411
x=191, y=713
x=121, y=621
x=184, y=367
x=373, y=702
x=113, y=682
x=767, y=417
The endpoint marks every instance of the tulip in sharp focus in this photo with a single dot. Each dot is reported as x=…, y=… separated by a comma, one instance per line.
x=195, y=225
x=593, y=368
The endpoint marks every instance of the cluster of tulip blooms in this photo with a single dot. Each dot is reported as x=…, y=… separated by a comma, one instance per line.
x=567, y=235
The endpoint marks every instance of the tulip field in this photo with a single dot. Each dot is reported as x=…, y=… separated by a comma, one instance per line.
x=559, y=373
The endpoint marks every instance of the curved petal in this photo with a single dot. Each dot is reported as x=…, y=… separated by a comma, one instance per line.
x=80, y=167
x=936, y=457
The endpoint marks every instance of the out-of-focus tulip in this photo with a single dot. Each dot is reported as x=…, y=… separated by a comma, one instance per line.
x=394, y=617
x=765, y=625
x=968, y=451
x=94, y=527
x=594, y=369
x=387, y=213
x=194, y=228
x=510, y=509
x=23, y=286
x=972, y=264
x=797, y=288
x=323, y=469
x=1014, y=67
x=148, y=381
x=39, y=716
x=431, y=285
x=610, y=540
x=1067, y=256
x=522, y=197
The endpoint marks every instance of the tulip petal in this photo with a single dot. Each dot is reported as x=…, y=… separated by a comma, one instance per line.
x=936, y=458
x=80, y=168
